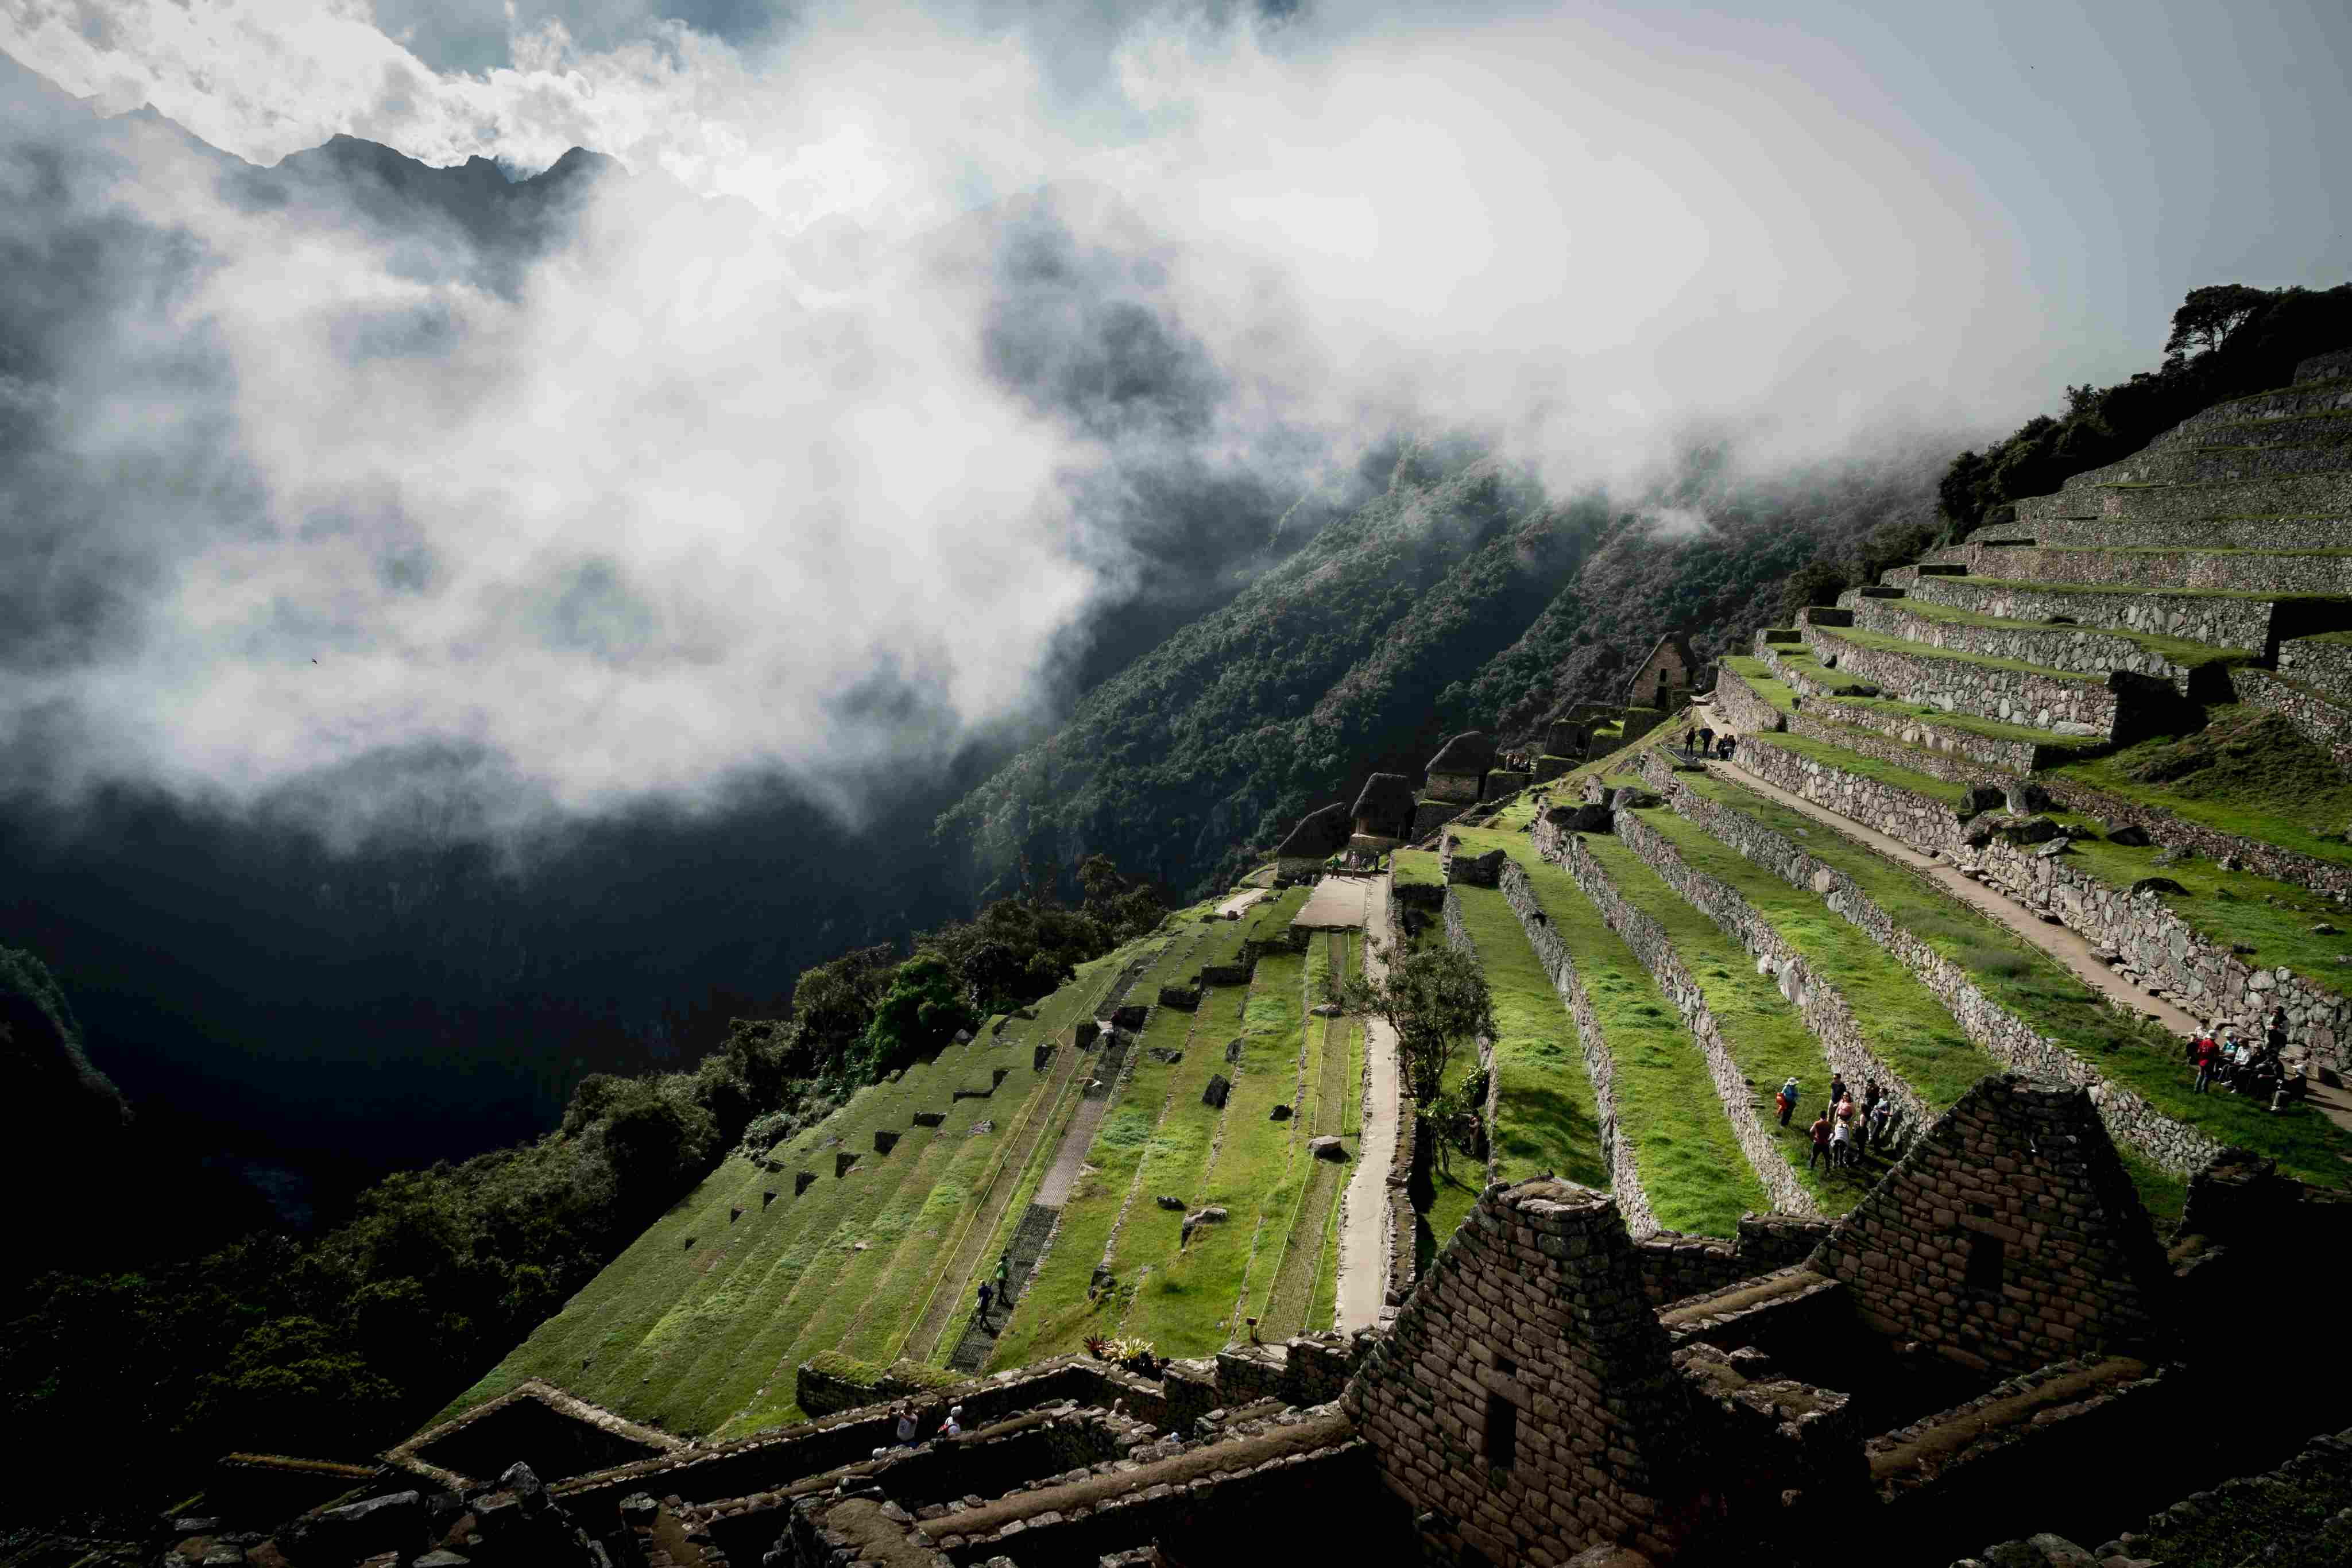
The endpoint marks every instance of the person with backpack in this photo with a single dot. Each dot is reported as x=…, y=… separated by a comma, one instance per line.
x=1788, y=1099
x=953, y=1426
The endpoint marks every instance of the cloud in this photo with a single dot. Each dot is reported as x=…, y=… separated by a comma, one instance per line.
x=819, y=476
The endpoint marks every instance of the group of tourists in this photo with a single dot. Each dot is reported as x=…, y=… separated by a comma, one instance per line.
x=1703, y=741
x=1846, y=1127
x=2243, y=1066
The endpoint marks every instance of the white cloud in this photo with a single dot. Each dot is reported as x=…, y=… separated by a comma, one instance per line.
x=699, y=504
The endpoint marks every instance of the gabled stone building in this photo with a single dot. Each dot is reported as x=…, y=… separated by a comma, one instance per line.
x=1320, y=834
x=1383, y=813
x=1668, y=673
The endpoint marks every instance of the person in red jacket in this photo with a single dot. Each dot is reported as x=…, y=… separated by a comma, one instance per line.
x=2208, y=1056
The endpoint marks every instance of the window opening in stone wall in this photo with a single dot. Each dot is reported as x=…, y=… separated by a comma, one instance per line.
x=1502, y=1432
x=1984, y=1263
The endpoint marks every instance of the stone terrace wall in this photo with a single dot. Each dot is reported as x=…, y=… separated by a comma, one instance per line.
x=2222, y=623
x=1824, y=1008
x=1855, y=732
x=1961, y=686
x=2174, y=1144
x=2237, y=572
x=2323, y=666
x=1736, y=703
x=2161, y=951
x=1651, y=945
x=2081, y=648
x=1624, y=1177
x=2322, y=721
x=2018, y=1175
x=1533, y=1316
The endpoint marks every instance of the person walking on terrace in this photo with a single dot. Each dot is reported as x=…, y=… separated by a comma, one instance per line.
x=1003, y=1282
x=1705, y=738
x=1787, y=1098
x=1820, y=1131
x=987, y=1291
x=2208, y=1055
x=1878, y=1123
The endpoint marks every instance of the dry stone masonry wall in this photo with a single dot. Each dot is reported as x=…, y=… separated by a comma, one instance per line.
x=2084, y=650
x=1651, y=945
x=2238, y=571
x=1963, y=686
x=1624, y=1177
x=2218, y=619
x=2323, y=721
x=2011, y=1238
x=2172, y=1143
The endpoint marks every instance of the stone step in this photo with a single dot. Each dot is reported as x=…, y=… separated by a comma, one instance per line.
x=2064, y=701
x=1800, y=699
x=2272, y=573
x=2183, y=533
x=2302, y=427
x=2256, y=622
x=2276, y=501
x=2192, y=669
x=2318, y=394
x=2196, y=463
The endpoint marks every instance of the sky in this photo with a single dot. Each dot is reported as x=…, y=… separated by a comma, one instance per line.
x=805, y=455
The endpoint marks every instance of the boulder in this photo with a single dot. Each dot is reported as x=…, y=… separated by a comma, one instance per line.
x=1325, y=1011
x=1979, y=799
x=1279, y=1114
x=394, y=1523
x=2157, y=884
x=1220, y=1086
x=1586, y=819
x=2131, y=835
x=1628, y=798
x=2027, y=830
x=1327, y=1148
x=2054, y=848
x=1173, y=1204
x=2025, y=798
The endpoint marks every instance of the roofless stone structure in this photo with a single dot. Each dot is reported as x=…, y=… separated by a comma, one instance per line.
x=1319, y=836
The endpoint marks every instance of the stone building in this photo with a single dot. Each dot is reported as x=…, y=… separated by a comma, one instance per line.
x=1319, y=836
x=1457, y=774
x=1666, y=676
x=1383, y=813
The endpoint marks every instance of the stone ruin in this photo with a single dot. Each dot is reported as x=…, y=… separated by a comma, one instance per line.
x=1383, y=813
x=1996, y=1312
x=1319, y=836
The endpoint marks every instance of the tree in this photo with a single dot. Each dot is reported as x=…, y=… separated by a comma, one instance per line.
x=2207, y=316
x=1435, y=999
x=920, y=1010
x=1818, y=581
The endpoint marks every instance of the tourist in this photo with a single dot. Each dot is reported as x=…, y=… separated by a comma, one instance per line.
x=1878, y=1122
x=2207, y=1058
x=1787, y=1098
x=1690, y=741
x=1729, y=744
x=1842, y=1144
x=906, y=1430
x=2276, y=1038
x=1705, y=738
x=1837, y=1088
x=1820, y=1136
x=953, y=1426
x=987, y=1291
x=1005, y=1281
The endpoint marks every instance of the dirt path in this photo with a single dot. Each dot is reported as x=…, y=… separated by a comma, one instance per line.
x=1241, y=901
x=2060, y=942
x=1364, y=1207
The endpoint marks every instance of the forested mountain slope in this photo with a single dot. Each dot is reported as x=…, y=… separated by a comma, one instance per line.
x=1464, y=595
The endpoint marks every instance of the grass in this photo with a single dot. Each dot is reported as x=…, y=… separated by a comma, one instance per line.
x=1906, y=1026
x=1187, y=1304
x=2246, y=771
x=1768, y=687
x=1546, y=1118
x=2035, y=988
x=1692, y=1168
x=1055, y=1312
x=1881, y=643
x=2126, y=590
x=1416, y=868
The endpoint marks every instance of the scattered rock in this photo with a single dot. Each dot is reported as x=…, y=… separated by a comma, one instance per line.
x=2024, y=797
x=1325, y=1011
x=2324, y=929
x=2157, y=884
x=1279, y=1114
x=1327, y=1148
x=2131, y=835
x=1220, y=1086
x=1173, y=1204
x=2054, y=848
x=2027, y=830
x=2242, y=948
